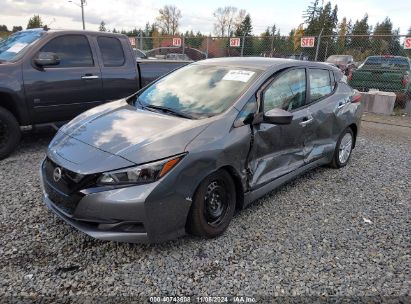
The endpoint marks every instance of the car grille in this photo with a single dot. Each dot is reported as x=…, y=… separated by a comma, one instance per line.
x=64, y=192
x=65, y=203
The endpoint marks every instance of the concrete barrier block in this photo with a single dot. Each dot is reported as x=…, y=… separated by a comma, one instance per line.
x=378, y=102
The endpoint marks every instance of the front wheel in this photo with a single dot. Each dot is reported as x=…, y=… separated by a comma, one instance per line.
x=343, y=149
x=9, y=133
x=213, y=205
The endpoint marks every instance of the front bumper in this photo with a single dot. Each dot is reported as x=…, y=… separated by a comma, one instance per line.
x=92, y=228
x=136, y=214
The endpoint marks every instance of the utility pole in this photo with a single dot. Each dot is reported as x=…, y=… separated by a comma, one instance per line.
x=272, y=41
x=82, y=12
x=82, y=3
x=318, y=44
x=242, y=45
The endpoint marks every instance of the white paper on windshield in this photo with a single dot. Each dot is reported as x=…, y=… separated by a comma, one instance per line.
x=238, y=75
x=17, y=47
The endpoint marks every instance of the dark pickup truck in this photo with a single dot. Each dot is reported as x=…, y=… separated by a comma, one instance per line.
x=385, y=73
x=52, y=76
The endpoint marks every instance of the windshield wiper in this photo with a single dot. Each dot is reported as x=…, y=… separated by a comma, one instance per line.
x=168, y=110
x=164, y=109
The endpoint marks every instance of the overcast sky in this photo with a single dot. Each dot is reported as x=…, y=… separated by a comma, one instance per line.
x=197, y=15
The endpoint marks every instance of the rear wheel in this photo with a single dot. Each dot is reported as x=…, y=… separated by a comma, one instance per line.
x=343, y=149
x=9, y=133
x=213, y=205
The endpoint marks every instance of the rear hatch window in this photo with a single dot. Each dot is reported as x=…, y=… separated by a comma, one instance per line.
x=387, y=63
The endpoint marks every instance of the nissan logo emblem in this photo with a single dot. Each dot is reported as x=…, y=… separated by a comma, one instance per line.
x=57, y=174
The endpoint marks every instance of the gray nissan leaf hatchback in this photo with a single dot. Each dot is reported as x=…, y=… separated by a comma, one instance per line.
x=184, y=153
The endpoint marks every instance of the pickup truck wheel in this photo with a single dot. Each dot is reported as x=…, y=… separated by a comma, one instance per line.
x=343, y=149
x=213, y=205
x=9, y=133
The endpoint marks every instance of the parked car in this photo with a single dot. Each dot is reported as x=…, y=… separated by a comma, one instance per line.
x=139, y=54
x=184, y=153
x=52, y=76
x=344, y=62
x=385, y=73
x=175, y=56
x=300, y=56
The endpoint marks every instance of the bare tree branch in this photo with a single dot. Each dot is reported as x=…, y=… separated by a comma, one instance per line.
x=169, y=19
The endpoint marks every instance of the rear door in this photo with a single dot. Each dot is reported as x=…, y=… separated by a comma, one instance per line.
x=62, y=91
x=325, y=106
x=279, y=149
x=118, y=67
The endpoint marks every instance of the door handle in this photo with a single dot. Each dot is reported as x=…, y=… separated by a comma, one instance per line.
x=342, y=104
x=89, y=77
x=306, y=122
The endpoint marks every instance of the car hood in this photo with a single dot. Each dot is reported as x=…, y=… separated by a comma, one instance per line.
x=133, y=134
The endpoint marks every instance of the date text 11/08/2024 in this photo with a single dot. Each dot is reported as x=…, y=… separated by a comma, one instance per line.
x=203, y=299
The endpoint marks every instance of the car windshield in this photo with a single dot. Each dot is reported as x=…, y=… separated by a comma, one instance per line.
x=199, y=90
x=338, y=59
x=16, y=45
x=387, y=62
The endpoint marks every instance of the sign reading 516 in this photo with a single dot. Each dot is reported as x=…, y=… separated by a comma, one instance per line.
x=307, y=41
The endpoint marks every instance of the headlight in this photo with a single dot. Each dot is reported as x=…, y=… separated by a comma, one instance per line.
x=142, y=174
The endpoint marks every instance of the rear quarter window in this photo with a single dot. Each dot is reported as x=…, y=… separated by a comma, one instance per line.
x=111, y=51
x=387, y=62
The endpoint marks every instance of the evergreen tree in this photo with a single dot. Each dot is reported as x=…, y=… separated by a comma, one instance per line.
x=245, y=28
x=35, y=22
x=343, y=31
x=381, y=44
x=17, y=28
x=361, y=44
x=312, y=12
x=102, y=27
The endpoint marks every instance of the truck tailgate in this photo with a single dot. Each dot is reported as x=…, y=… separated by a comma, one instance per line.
x=384, y=80
x=151, y=69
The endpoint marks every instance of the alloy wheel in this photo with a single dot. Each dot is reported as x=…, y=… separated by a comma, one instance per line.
x=345, y=148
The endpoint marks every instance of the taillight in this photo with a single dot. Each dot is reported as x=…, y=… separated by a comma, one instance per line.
x=349, y=77
x=405, y=79
x=356, y=97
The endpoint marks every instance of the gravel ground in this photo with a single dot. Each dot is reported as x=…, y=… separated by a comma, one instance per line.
x=330, y=232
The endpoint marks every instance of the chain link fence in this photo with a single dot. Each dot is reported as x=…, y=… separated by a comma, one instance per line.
x=197, y=48
x=370, y=62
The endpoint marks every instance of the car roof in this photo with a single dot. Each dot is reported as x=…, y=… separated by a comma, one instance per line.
x=261, y=63
x=74, y=32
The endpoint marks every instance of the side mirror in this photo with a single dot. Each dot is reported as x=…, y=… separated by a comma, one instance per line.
x=46, y=59
x=278, y=117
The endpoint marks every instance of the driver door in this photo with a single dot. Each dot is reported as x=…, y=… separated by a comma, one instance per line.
x=279, y=149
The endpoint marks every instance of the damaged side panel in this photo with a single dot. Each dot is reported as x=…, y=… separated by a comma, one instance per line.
x=277, y=150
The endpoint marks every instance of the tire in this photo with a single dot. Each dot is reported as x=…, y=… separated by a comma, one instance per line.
x=9, y=133
x=216, y=194
x=343, y=149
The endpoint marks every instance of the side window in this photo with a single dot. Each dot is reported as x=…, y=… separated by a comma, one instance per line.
x=249, y=108
x=287, y=92
x=320, y=84
x=73, y=51
x=112, y=51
